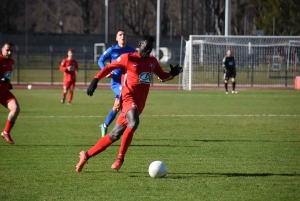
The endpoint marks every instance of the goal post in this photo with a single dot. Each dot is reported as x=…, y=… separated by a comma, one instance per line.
x=97, y=53
x=260, y=60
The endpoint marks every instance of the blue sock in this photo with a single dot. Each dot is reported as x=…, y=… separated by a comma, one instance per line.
x=111, y=116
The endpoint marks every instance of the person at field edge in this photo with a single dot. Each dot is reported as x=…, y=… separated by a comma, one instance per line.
x=70, y=67
x=111, y=54
x=138, y=68
x=229, y=71
x=7, y=99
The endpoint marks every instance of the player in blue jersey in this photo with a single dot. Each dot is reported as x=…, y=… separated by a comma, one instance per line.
x=111, y=54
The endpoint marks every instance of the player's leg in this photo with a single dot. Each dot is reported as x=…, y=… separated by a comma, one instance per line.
x=110, y=117
x=101, y=145
x=71, y=91
x=233, y=83
x=226, y=82
x=114, y=111
x=132, y=119
x=64, y=93
x=14, y=110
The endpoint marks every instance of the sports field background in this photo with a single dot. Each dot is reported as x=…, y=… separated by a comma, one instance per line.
x=216, y=147
x=44, y=69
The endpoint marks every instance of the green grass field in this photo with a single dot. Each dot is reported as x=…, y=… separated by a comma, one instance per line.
x=216, y=147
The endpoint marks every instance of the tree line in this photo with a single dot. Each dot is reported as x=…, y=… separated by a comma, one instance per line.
x=136, y=17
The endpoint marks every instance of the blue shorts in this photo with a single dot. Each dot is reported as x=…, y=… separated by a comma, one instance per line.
x=117, y=90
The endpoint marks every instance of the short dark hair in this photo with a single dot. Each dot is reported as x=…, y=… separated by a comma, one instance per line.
x=8, y=43
x=147, y=37
x=120, y=30
x=71, y=50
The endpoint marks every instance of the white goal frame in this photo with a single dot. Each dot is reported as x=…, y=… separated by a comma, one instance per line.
x=249, y=42
x=96, y=53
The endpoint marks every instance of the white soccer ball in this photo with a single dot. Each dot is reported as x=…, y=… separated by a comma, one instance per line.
x=157, y=169
x=29, y=86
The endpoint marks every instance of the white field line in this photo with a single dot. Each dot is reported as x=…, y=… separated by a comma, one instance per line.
x=179, y=115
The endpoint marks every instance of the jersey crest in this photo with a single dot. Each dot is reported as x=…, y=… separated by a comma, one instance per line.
x=151, y=65
x=145, y=77
x=7, y=75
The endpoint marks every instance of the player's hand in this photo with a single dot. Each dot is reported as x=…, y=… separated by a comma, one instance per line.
x=4, y=79
x=10, y=86
x=93, y=85
x=175, y=70
x=71, y=68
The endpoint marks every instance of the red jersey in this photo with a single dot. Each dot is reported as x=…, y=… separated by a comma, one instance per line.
x=69, y=76
x=138, y=75
x=5, y=71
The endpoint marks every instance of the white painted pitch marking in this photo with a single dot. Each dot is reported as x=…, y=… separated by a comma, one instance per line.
x=179, y=115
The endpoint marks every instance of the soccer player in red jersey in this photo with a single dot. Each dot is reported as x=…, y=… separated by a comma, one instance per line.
x=70, y=67
x=7, y=99
x=138, y=68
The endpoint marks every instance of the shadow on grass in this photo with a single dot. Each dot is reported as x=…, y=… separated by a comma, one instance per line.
x=190, y=175
x=225, y=140
x=185, y=175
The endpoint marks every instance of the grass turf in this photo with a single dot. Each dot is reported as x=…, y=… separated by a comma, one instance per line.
x=216, y=147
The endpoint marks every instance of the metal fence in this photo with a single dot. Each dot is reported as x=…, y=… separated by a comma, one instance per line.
x=38, y=56
x=37, y=59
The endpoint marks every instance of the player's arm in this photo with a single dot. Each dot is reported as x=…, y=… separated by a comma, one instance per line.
x=224, y=64
x=165, y=76
x=104, y=57
x=63, y=66
x=118, y=63
x=76, y=67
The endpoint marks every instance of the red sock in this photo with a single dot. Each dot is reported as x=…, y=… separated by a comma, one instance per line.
x=70, y=96
x=64, y=94
x=126, y=141
x=101, y=145
x=8, y=126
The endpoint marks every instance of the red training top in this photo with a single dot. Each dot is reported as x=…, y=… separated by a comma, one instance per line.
x=69, y=76
x=5, y=71
x=137, y=78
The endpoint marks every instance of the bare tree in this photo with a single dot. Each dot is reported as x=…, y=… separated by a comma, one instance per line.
x=55, y=16
x=11, y=11
x=219, y=15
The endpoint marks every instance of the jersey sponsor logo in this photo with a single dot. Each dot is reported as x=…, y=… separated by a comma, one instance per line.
x=135, y=64
x=151, y=65
x=119, y=59
x=145, y=77
x=7, y=75
x=230, y=63
x=4, y=64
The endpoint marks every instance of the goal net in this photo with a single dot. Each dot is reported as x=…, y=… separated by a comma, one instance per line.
x=261, y=61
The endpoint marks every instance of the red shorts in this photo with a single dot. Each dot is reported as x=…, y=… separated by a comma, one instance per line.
x=126, y=106
x=69, y=84
x=6, y=97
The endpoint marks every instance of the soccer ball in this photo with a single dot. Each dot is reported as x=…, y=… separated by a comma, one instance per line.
x=29, y=86
x=157, y=169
